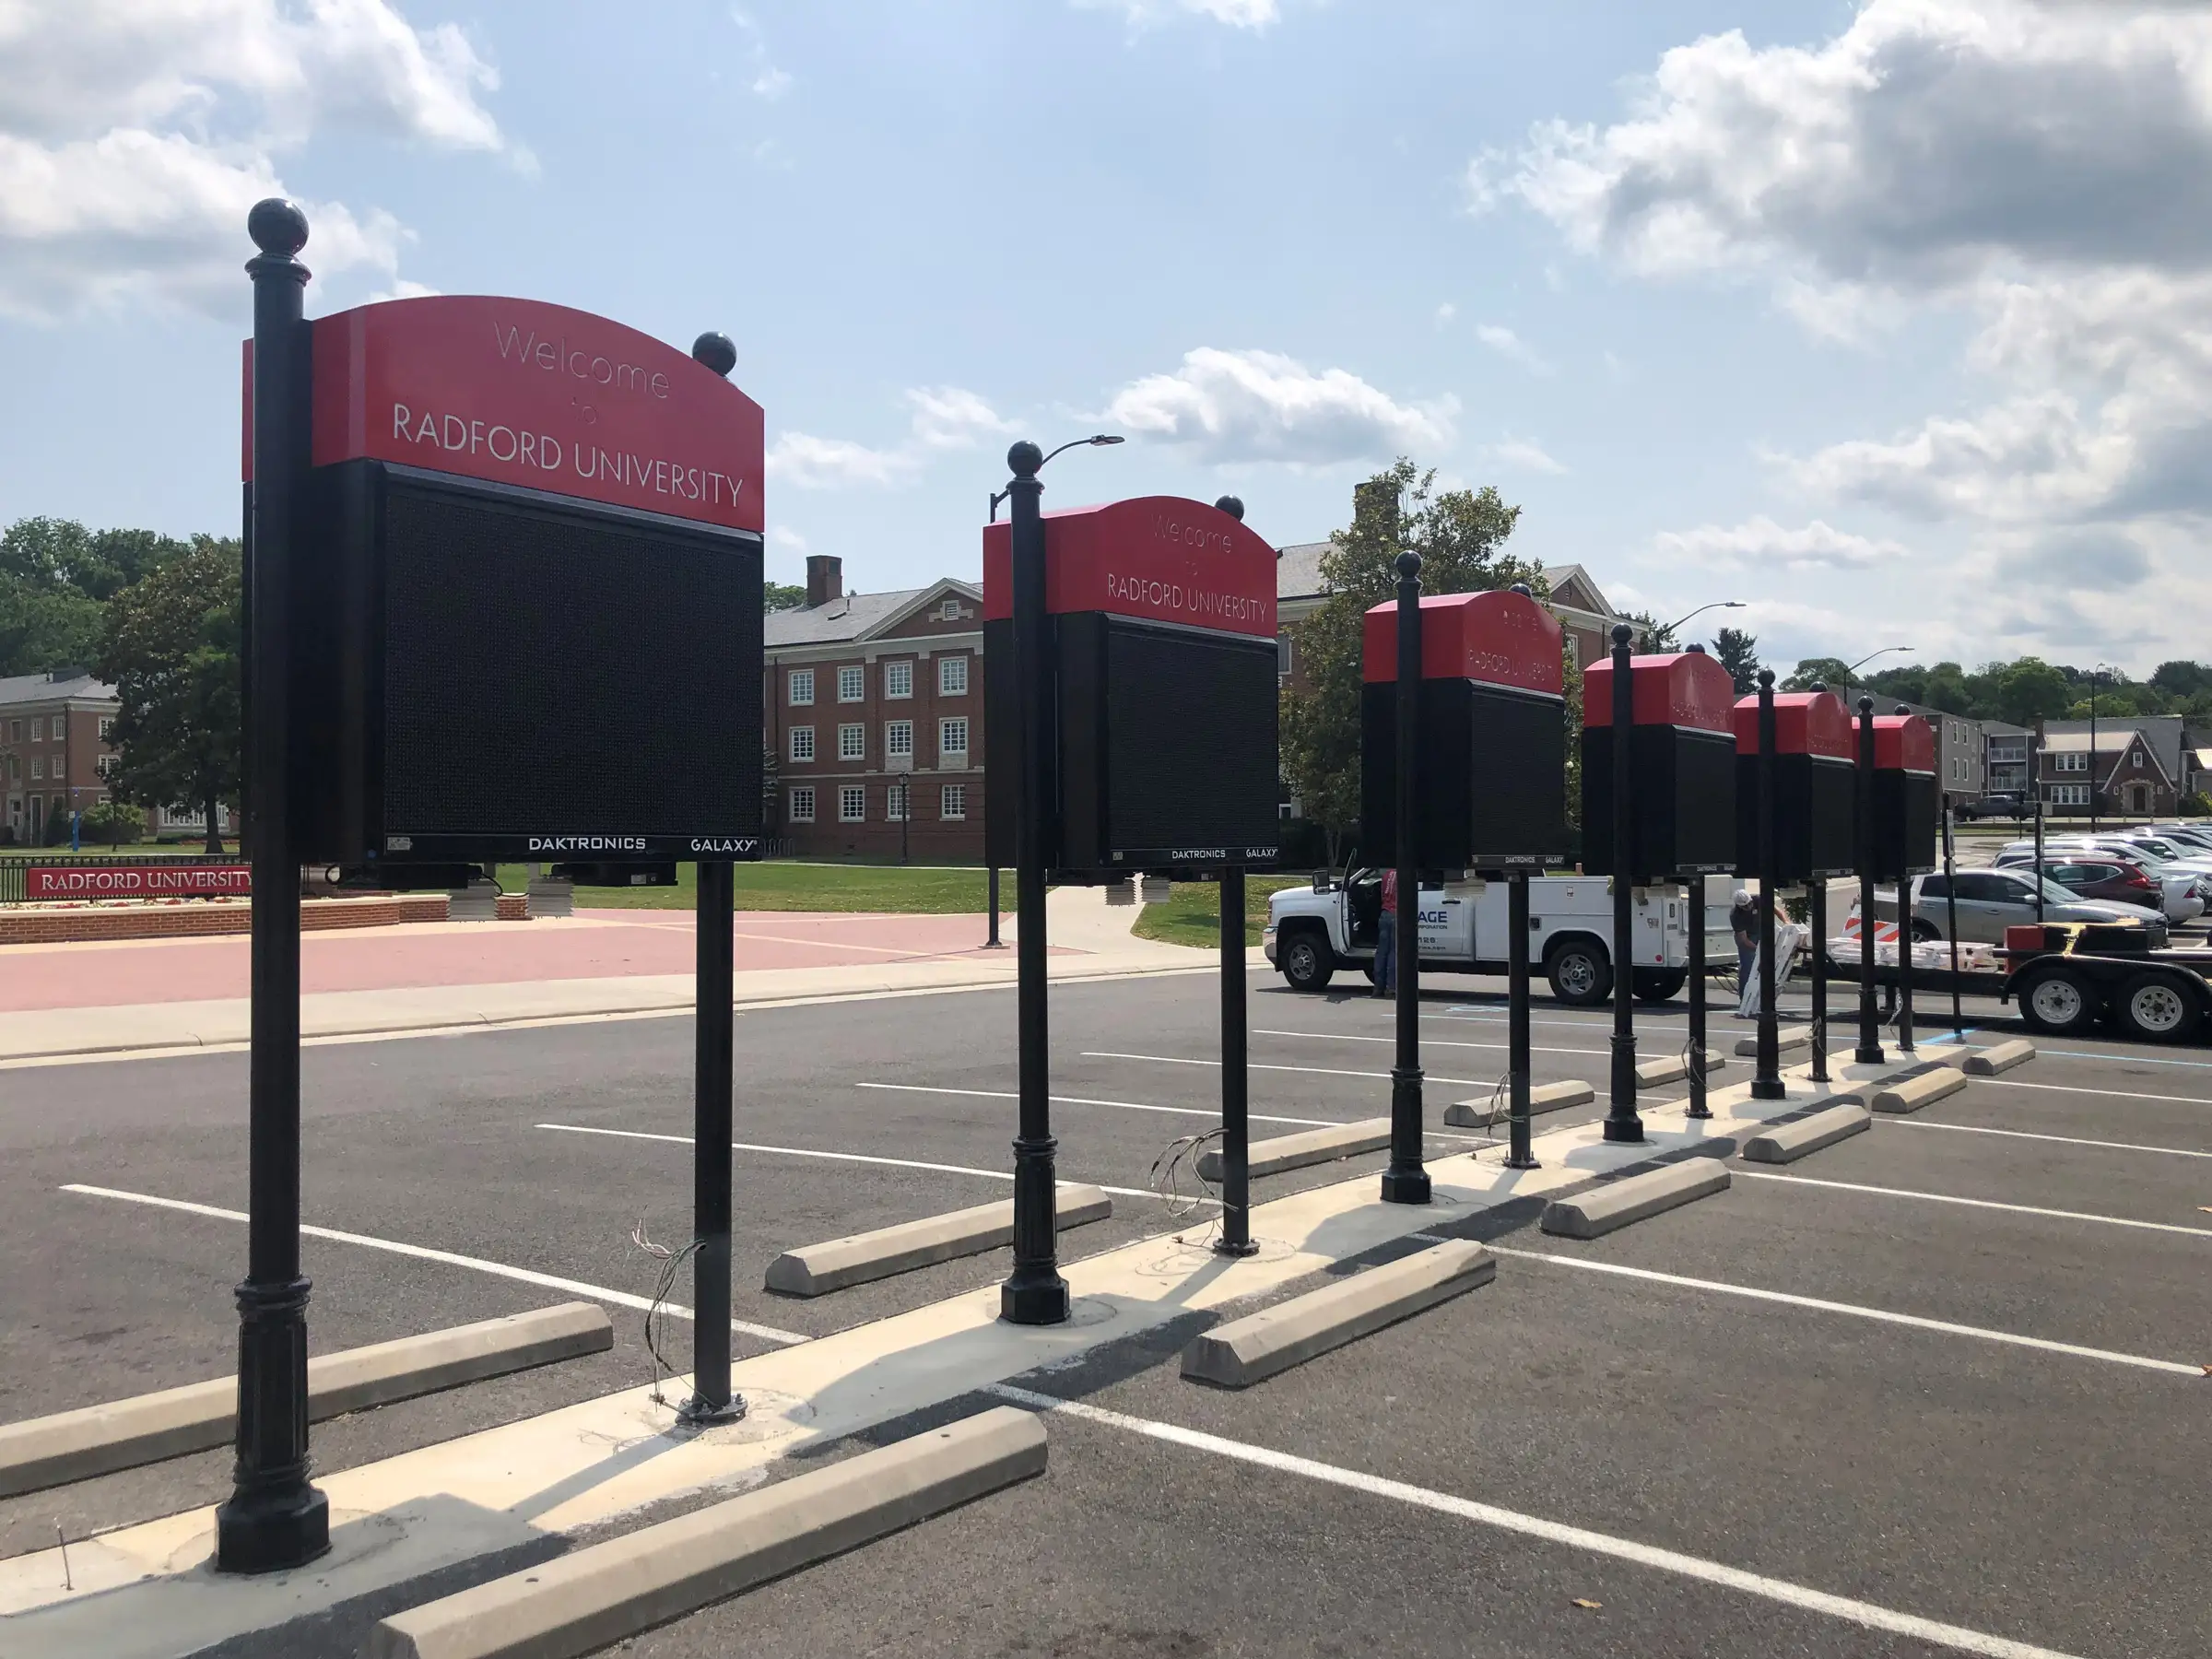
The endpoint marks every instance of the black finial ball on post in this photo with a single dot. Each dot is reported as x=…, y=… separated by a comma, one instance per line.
x=1818, y=686
x=1233, y=506
x=1865, y=705
x=715, y=351
x=1522, y=589
x=1623, y=633
x=1766, y=676
x=1024, y=459
x=1408, y=566
x=277, y=227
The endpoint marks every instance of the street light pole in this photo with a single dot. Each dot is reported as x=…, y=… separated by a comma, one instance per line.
x=1869, y=1052
x=1623, y=1123
x=1715, y=604
x=1406, y=1181
x=1766, y=1081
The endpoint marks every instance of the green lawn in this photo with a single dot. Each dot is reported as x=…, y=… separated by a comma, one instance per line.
x=780, y=886
x=169, y=848
x=1192, y=916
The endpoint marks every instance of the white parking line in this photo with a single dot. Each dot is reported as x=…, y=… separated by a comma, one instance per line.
x=2126, y=1059
x=1990, y=1204
x=2173, y=1366
x=620, y=1299
x=1866, y=1614
x=1001, y=1094
x=2108, y=1094
x=861, y=1158
x=2065, y=1140
x=1306, y=1071
x=1426, y=1042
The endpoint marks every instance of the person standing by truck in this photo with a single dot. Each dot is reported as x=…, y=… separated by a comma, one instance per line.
x=1743, y=921
x=1386, y=937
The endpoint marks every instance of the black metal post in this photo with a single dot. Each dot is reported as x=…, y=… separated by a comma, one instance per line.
x=1818, y=891
x=1034, y=1293
x=714, y=1080
x=1766, y=1081
x=1951, y=901
x=1869, y=1051
x=2035, y=781
x=1623, y=1122
x=991, y=941
x=2092, y=751
x=1520, y=1153
x=274, y=1518
x=1235, y=1124
x=1905, y=950
x=1406, y=1181
x=1697, y=1109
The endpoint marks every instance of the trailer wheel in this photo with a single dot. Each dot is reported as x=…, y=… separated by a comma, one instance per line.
x=1308, y=963
x=2153, y=1008
x=1581, y=972
x=2060, y=1003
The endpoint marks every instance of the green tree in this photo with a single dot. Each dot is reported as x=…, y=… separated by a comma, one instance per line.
x=2182, y=680
x=1831, y=672
x=171, y=649
x=1459, y=534
x=112, y=821
x=55, y=579
x=781, y=596
x=1738, y=653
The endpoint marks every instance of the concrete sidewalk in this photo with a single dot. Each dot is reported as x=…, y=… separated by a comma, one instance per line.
x=1089, y=941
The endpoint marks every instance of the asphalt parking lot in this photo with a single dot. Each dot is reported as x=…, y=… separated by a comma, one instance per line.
x=1939, y=1388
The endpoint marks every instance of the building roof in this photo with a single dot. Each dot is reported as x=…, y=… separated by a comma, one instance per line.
x=21, y=689
x=854, y=617
x=1298, y=569
x=2109, y=737
x=1573, y=588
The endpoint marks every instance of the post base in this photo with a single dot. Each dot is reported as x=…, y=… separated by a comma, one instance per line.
x=1036, y=1302
x=1405, y=1186
x=1625, y=1132
x=269, y=1531
x=1698, y=1112
x=1768, y=1089
x=1523, y=1163
x=701, y=1412
x=1236, y=1247
x=1869, y=1053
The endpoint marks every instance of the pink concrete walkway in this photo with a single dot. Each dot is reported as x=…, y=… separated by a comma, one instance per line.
x=592, y=944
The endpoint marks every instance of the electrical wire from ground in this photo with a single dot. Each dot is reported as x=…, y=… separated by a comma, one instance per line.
x=1166, y=1178
x=656, y=1322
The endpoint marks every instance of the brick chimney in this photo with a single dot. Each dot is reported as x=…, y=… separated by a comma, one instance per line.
x=824, y=579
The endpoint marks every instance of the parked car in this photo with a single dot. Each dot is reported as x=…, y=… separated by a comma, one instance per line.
x=1991, y=900
x=1999, y=805
x=2098, y=871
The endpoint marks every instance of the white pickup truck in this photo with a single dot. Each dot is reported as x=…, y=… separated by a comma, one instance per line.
x=1313, y=931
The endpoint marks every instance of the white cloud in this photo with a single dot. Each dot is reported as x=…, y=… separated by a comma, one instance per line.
x=135, y=134
x=1236, y=14
x=1445, y=313
x=768, y=81
x=1236, y=407
x=1512, y=347
x=945, y=419
x=1523, y=455
x=1760, y=544
x=784, y=538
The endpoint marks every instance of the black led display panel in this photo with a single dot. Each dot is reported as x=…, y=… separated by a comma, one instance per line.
x=1682, y=791
x=523, y=675
x=1491, y=782
x=1905, y=814
x=1816, y=816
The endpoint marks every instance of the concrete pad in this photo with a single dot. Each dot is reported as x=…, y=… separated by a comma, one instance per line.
x=1614, y=1205
x=609, y=1592
x=817, y=1269
x=2001, y=1057
x=122, y=1434
x=1488, y=1110
x=1273, y=1156
x=1909, y=1091
x=1251, y=1349
x=1845, y=1116
x=1788, y=1038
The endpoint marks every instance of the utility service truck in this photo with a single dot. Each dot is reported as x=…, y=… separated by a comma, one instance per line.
x=1312, y=931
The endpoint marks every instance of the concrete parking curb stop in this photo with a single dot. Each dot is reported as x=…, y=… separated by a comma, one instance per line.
x=817, y=1269
x=1616, y=1204
x=1663, y=1069
x=2001, y=1057
x=1842, y=1116
x=1909, y=1091
x=124, y=1434
x=1487, y=1111
x=1790, y=1037
x=1282, y=1152
x=607, y=1592
x=1251, y=1349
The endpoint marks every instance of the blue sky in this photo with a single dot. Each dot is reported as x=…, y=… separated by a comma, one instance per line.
x=1890, y=320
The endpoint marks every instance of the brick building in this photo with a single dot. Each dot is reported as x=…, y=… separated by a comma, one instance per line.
x=875, y=721
x=53, y=749
x=2125, y=770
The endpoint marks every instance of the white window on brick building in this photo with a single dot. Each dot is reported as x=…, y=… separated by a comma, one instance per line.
x=949, y=611
x=107, y=726
x=952, y=741
x=952, y=676
x=802, y=743
x=15, y=731
x=851, y=805
x=897, y=737
x=851, y=684
x=952, y=801
x=60, y=730
x=894, y=802
x=801, y=804
x=2070, y=762
x=38, y=766
x=38, y=731
x=851, y=743
x=107, y=766
x=899, y=679
x=801, y=687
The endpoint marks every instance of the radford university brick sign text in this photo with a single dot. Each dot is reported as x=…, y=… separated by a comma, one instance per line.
x=137, y=881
